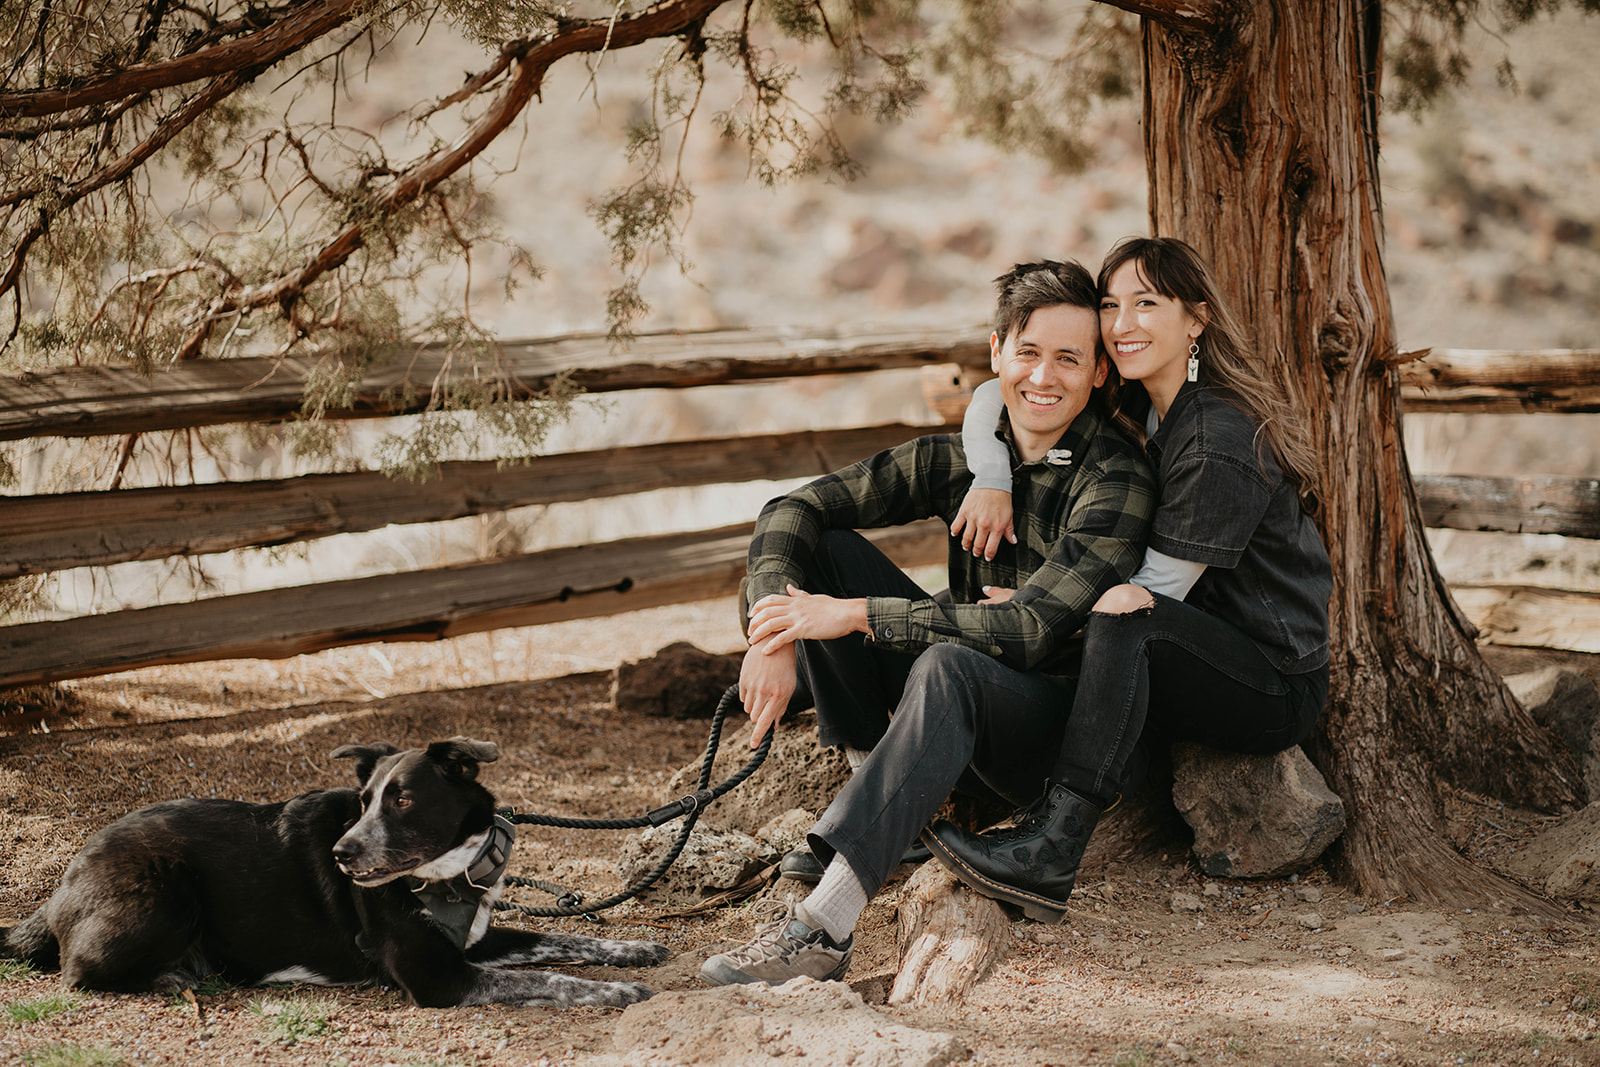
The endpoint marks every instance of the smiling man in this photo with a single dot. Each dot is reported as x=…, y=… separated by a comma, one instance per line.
x=926, y=693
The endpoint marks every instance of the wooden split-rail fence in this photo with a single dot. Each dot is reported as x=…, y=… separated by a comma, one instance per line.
x=45, y=533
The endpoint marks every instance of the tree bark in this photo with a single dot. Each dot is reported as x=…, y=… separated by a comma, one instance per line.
x=950, y=939
x=1261, y=143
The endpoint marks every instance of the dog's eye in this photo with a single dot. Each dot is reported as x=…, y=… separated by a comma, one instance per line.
x=402, y=801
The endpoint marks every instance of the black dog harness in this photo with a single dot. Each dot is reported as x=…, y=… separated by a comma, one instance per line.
x=453, y=905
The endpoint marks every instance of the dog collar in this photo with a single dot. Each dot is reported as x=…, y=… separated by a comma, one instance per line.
x=490, y=863
x=453, y=905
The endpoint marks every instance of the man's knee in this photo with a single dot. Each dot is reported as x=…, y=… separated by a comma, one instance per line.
x=944, y=661
x=1125, y=600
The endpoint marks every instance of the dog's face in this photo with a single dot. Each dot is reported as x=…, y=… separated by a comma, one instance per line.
x=422, y=811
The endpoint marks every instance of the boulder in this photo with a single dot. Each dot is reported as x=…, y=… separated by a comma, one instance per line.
x=1254, y=816
x=1567, y=702
x=802, y=1021
x=796, y=774
x=712, y=861
x=1564, y=857
x=680, y=681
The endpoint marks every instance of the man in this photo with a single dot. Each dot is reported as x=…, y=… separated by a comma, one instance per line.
x=978, y=683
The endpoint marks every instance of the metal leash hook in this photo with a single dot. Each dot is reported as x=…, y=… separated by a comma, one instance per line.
x=688, y=807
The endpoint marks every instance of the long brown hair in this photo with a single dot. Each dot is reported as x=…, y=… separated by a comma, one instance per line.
x=1175, y=270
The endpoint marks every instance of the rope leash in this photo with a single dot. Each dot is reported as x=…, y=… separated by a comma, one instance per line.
x=687, y=807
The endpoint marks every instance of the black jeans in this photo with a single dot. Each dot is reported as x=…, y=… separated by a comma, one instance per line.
x=1172, y=672
x=948, y=718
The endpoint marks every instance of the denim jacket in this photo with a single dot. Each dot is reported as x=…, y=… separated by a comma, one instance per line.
x=1225, y=502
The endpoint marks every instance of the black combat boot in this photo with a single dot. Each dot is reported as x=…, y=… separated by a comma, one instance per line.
x=1032, y=864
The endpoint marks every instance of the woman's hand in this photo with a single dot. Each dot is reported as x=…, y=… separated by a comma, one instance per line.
x=984, y=519
x=779, y=621
x=996, y=594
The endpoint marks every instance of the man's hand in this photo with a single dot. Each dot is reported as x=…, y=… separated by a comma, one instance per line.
x=766, y=682
x=984, y=519
x=779, y=621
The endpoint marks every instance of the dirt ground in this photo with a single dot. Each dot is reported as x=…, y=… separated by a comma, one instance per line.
x=1156, y=965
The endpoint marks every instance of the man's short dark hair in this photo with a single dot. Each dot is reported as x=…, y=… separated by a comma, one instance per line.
x=1027, y=287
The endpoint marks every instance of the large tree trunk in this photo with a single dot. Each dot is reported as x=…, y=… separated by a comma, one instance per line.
x=1261, y=141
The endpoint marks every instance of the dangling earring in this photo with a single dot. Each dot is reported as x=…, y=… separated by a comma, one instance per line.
x=1194, y=361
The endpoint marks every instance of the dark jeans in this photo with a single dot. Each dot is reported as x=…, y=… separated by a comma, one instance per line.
x=950, y=717
x=1175, y=673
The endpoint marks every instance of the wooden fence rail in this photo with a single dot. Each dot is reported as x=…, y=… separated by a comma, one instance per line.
x=51, y=532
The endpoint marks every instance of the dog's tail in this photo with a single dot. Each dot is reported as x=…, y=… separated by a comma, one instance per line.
x=31, y=940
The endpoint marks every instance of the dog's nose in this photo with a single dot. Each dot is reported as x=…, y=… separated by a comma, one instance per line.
x=344, y=851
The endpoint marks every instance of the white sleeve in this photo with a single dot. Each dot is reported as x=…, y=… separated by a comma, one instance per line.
x=1167, y=575
x=987, y=456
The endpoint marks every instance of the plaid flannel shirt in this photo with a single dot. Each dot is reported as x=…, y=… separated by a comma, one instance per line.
x=1081, y=517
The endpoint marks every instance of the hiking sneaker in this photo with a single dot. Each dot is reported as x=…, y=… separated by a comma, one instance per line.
x=784, y=947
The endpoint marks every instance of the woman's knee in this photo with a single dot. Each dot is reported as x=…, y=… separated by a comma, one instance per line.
x=1125, y=600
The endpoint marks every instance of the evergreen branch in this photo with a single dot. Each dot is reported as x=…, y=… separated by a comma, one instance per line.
x=531, y=59
x=62, y=197
x=259, y=50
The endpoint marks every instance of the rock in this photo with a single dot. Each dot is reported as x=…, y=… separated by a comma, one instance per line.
x=1310, y=920
x=803, y=1021
x=1565, y=857
x=788, y=831
x=1568, y=703
x=1254, y=816
x=1309, y=893
x=1182, y=901
x=796, y=774
x=680, y=681
x=712, y=860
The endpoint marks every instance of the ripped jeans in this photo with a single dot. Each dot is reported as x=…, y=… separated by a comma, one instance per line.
x=1171, y=672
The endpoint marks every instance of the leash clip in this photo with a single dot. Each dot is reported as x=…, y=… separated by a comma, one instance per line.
x=685, y=805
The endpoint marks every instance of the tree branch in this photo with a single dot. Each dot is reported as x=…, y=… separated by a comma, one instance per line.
x=530, y=60
x=117, y=170
x=1183, y=16
x=253, y=52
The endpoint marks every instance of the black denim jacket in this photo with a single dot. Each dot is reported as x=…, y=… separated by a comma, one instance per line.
x=1225, y=502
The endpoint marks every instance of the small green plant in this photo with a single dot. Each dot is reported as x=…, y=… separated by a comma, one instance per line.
x=1238, y=1047
x=1538, y=1039
x=15, y=970
x=31, y=1011
x=71, y=1056
x=291, y=1020
x=1134, y=1057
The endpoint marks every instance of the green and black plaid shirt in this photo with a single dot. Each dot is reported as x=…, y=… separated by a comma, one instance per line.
x=1081, y=516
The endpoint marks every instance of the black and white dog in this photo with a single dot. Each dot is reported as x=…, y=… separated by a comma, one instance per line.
x=393, y=885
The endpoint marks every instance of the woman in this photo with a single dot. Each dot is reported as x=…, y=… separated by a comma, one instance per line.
x=1221, y=637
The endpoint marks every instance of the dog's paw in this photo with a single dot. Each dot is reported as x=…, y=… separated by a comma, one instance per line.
x=588, y=994
x=619, y=994
x=640, y=954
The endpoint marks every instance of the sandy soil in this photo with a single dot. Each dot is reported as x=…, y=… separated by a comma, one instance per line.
x=1156, y=965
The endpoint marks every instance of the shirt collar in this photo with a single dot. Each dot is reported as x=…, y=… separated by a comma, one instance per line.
x=1070, y=448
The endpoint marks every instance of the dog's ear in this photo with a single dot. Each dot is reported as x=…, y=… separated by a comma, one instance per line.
x=461, y=755
x=366, y=756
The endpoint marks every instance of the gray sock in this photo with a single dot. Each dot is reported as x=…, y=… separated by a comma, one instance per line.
x=836, y=903
x=855, y=757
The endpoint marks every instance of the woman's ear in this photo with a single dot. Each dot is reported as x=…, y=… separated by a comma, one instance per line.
x=1201, y=313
